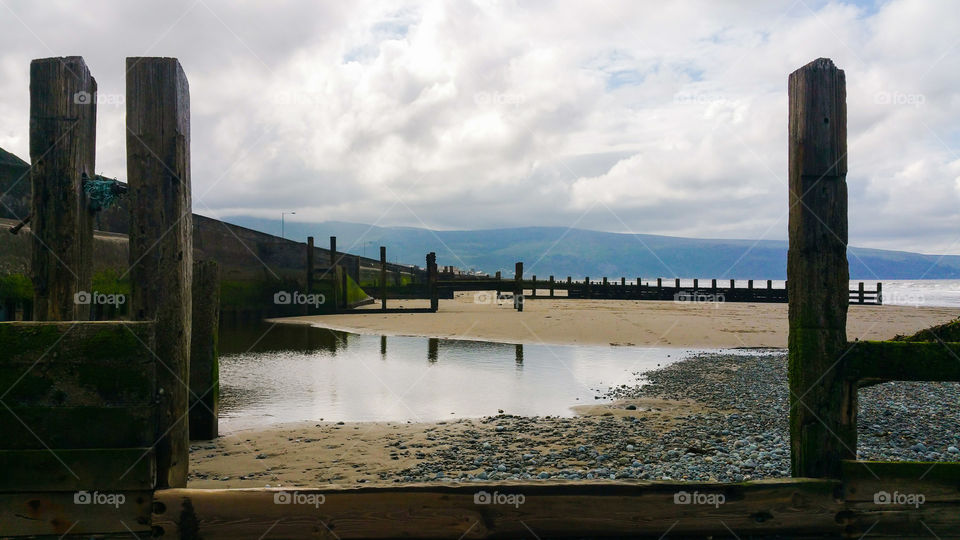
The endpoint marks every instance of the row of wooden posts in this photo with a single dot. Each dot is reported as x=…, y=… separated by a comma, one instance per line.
x=179, y=296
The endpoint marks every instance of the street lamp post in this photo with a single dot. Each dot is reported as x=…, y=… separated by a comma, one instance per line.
x=281, y=221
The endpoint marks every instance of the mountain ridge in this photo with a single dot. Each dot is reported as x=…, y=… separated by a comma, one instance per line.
x=562, y=251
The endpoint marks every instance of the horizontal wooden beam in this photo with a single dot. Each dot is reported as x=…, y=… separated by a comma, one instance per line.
x=101, y=469
x=38, y=428
x=54, y=514
x=799, y=506
x=881, y=361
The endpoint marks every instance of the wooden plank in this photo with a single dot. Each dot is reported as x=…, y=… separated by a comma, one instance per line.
x=204, y=361
x=880, y=361
x=903, y=483
x=161, y=239
x=38, y=428
x=63, y=124
x=823, y=409
x=77, y=364
x=72, y=470
x=67, y=513
x=547, y=510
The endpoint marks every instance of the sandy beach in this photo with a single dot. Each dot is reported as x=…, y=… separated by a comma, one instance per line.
x=619, y=322
x=651, y=431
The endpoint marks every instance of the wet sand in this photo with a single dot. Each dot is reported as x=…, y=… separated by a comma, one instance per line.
x=619, y=322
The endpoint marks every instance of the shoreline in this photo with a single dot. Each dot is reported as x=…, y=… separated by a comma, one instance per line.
x=617, y=322
x=711, y=417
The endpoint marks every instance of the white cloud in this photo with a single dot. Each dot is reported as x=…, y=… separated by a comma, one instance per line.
x=662, y=118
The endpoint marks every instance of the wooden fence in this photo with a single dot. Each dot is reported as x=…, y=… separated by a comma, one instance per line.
x=53, y=372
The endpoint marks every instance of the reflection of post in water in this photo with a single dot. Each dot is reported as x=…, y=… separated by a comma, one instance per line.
x=518, y=351
x=383, y=347
x=433, y=344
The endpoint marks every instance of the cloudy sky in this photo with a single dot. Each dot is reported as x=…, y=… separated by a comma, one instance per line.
x=625, y=116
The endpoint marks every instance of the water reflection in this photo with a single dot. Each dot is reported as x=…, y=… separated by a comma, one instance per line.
x=283, y=373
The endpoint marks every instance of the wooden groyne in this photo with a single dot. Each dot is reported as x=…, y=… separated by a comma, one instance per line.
x=91, y=444
x=675, y=289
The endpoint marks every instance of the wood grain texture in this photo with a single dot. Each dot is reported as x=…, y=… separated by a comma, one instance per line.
x=881, y=361
x=161, y=250
x=204, y=358
x=71, y=470
x=63, y=123
x=59, y=515
x=822, y=402
x=547, y=511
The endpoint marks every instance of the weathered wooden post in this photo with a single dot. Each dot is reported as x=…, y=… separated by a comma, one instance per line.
x=204, y=362
x=383, y=277
x=713, y=285
x=161, y=240
x=518, y=354
x=696, y=284
x=879, y=293
x=518, y=287
x=433, y=349
x=586, y=287
x=769, y=284
x=750, y=284
x=733, y=284
x=823, y=406
x=860, y=296
x=677, y=283
x=533, y=289
x=310, y=264
x=63, y=124
x=432, y=281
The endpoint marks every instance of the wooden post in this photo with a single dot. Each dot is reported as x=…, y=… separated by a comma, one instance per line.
x=383, y=277
x=334, y=259
x=769, y=284
x=310, y=264
x=750, y=284
x=879, y=293
x=161, y=240
x=823, y=406
x=63, y=123
x=518, y=354
x=204, y=364
x=713, y=285
x=677, y=282
x=518, y=287
x=659, y=283
x=733, y=284
x=432, y=281
x=533, y=290
x=586, y=287
x=696, y=283
x=551, y=286
x=433, y=349
x=860, y=296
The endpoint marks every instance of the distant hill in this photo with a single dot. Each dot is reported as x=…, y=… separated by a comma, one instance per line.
x=576, y=252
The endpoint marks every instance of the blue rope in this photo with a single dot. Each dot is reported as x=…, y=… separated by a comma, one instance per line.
x=102, y=193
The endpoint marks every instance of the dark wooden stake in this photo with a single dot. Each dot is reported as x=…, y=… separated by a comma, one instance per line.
x=823, y=405
x=161, y=240
x=310, y=264
x=518, y=287
x=383, y=277
x=432, y=281
x=204, y=362
x=63, y=124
